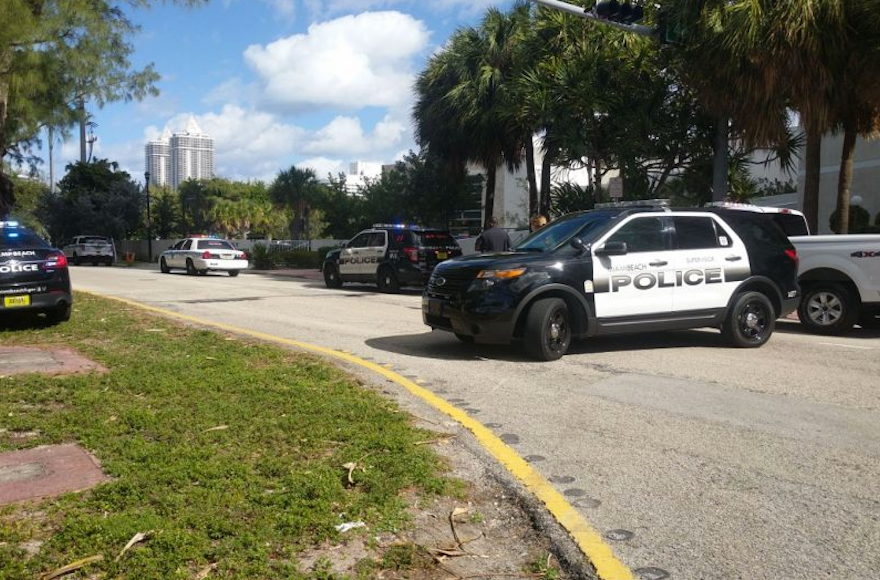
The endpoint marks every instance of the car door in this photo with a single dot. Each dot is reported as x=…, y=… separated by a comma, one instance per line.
x=350, y=259
x=709, y=262
x=632, y=268
x=375, y=251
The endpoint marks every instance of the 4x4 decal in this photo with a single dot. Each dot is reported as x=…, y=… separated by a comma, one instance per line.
x=866, y=254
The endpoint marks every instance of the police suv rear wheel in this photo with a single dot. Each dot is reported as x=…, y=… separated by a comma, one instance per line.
x=59, y=314
x=750, y=321
x=548, y=329
x=331, y=276
x=828, y=308
x=387, y=281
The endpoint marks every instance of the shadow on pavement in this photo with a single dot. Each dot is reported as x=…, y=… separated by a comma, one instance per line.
x=789, y=326
x=444, y=346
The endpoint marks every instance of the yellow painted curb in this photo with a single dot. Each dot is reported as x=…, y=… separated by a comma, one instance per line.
x=599, y=553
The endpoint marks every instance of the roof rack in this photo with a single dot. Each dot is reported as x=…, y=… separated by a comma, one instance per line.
x=634, y=203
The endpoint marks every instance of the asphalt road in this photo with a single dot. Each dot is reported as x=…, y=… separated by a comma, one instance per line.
x=695, y=459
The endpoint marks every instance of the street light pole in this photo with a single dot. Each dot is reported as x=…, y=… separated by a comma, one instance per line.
x=149, y=219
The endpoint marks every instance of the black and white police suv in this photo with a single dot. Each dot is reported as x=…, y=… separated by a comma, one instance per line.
x=33, y=275
x=390, y=256
x=621, y=270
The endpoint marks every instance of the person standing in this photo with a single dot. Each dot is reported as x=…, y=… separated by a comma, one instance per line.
x=493, y=238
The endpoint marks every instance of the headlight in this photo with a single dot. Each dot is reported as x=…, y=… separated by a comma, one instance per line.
x=501, y=274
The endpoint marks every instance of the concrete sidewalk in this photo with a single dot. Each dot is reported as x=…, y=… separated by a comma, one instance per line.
x=307, y=273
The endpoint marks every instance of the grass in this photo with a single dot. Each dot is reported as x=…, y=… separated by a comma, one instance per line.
x=230, y=453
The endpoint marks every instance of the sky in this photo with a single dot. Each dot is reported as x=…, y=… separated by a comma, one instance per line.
x=277, y=83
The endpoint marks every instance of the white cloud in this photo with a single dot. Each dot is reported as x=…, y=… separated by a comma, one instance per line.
x=323, y=166
x=348, y=63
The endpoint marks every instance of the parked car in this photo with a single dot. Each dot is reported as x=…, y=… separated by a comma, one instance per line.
x=94, y=249
x=390, y=256
x=199, y=255
x=33, y=275
x=621, y=270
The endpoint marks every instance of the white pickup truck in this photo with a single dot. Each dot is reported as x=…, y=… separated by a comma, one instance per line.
x=840, y=281
x=839, y=275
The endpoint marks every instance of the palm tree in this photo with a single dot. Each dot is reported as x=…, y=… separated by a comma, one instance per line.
x=296, y=189
x=464, y=95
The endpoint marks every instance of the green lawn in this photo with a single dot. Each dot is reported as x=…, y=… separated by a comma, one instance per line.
x=229, y=452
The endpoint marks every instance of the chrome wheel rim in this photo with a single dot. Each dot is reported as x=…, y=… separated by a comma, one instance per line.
x=824, y=308
x=753, y=321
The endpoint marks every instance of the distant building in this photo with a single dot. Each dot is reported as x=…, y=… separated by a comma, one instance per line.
x=173, y=159
x=358, y=174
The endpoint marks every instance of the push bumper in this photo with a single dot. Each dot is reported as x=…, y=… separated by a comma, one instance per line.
x=484, y=327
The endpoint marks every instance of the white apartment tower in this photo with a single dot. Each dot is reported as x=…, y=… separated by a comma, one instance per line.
x=173, y=159
x=158, y=159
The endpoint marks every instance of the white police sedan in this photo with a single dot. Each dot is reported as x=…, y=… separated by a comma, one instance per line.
x=199, y=255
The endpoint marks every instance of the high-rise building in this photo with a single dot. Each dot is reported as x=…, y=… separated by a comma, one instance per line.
x=158, y=159
x=173, y=159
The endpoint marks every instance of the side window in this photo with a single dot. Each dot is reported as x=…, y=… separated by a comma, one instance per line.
x=377, y=239
x=186, y=245
x=695, y=233
x=360, y=240
x=642, y=234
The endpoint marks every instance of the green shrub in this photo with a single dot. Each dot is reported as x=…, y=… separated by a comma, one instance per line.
x=859, y=219
x=297, y=259
x=261, y=258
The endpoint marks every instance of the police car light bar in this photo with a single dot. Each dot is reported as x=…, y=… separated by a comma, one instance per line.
x=9, y=224
x=389, y=225
x=634, y=203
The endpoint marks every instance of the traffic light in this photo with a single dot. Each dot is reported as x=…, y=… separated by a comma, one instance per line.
x=624, y=13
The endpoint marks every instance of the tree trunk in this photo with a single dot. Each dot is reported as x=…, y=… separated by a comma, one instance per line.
x=81, y=112
x=7, y=199
x=530, y=174
x=812, y=169
x=489, y=210
x=720, y=166
x=845, y=179
x=544, y=205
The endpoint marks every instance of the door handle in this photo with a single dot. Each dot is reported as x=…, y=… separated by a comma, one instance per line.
x=733, y=258
x=657, y=263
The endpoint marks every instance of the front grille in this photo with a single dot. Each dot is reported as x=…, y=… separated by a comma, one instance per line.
x=454, y=281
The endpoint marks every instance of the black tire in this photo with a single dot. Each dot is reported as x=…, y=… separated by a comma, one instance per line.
x=163, y=266
x=750, y=320
x=75, y=259
x=548, y=329
x=466, y=338
x=386, y=280
x=191, y=268
x=233, y=273
x=59, y=314
x=828, y=308
x=202, y=272
x=331, y=276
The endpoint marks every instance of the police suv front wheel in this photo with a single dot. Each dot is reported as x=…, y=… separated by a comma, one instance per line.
x=750, y=320
x=548, y=329
x=331, y=276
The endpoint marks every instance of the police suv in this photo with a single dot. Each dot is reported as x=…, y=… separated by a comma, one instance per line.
x=33, y=275
x=621, y=270
x=390, y=256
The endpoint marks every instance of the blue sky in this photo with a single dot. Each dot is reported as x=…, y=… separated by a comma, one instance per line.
x=281, y=82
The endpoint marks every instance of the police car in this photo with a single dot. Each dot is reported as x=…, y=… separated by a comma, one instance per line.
x=33, y=275
x=199, y=255
x=621, y=270
x=390, y=256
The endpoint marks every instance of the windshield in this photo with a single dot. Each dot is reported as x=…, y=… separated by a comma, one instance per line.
x=586, y=226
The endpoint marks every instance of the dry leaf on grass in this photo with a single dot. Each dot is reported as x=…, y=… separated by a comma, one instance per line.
x=135, y=539
x=72, y=567
x=217, y=428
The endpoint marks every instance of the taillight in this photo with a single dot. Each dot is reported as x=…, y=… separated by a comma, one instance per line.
x=792, y=254
x=243, y=256
x=206, y=255
x=412, y=254
x=55, y=262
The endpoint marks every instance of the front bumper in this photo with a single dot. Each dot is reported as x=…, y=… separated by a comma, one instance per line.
x=491, y=327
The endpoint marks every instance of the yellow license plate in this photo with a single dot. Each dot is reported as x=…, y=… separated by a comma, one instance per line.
x=14, y=301
x=442, y=255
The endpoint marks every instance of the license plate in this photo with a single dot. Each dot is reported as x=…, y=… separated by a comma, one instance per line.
x=442, y=255
x=16, y=301
x=435, y=308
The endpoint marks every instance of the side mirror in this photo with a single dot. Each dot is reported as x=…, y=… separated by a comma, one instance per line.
x=579, y=245
x=612, y=249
